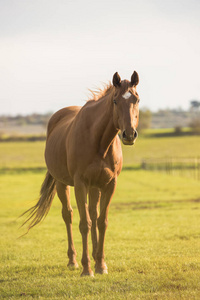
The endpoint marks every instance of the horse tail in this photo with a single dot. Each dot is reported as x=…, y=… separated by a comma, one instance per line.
x=39, y=211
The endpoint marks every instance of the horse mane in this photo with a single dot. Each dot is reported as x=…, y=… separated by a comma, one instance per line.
x=98, y=93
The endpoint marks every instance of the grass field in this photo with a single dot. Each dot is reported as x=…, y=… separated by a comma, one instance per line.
x=152, y=242
x=31, y=154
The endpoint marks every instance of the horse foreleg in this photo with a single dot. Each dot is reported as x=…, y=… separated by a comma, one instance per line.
x=63, y=193
x=85, y=223
x=94, y=197
x=102, y=223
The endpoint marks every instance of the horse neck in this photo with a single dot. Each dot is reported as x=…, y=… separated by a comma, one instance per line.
x=105, y=127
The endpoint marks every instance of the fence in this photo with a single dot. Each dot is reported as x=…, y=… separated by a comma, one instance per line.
x=189, y=167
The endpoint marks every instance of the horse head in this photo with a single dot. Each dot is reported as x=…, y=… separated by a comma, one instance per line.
x=126, y=107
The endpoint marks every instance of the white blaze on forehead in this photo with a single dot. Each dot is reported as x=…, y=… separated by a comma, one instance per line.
x=126, y=95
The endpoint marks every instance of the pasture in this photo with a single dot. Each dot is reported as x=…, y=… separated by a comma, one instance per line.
x=152, y=242
x=30, y=155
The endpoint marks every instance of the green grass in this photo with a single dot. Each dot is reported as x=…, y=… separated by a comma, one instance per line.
x=152, y=242
x=22, y=155
x=152, y=147
x=31, y=154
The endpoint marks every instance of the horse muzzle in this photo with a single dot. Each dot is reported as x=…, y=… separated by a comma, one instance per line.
x=129, y=139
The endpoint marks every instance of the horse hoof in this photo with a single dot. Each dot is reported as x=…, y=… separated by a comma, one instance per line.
x=87, y=273
x=101, y=269
x=72, y=265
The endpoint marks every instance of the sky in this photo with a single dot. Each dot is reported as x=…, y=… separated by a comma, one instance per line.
x=53, y=51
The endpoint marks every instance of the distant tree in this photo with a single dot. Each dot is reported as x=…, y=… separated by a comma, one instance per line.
x=178, y=130
x=195, y=105
x=195, y=116
x=195, y=124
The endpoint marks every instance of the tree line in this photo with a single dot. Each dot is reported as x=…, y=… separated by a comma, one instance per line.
x=165, y=118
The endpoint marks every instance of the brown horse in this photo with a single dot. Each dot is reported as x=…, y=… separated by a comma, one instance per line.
x=83, y=150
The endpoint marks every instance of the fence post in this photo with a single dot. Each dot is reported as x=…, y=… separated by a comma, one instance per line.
x=143, y=164
x=189, y=167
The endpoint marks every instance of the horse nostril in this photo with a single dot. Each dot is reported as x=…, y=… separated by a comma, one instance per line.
x=124, y=134
x=135, y=134
x=130, y=137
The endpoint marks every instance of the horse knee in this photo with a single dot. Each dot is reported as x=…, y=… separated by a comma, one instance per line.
x=67, y=215
x=85, y=226
x=102, y=224
x=93, y=214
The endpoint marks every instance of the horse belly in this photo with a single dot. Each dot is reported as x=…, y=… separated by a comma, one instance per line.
x=56, y=160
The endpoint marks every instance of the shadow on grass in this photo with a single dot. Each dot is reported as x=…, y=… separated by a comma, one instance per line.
x=22, y=170
x=173, y=134
x=43, y=169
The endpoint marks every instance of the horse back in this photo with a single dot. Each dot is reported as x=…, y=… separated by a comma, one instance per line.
x=64, y=115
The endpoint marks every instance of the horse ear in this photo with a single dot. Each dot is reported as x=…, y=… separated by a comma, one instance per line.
x=134, y=79
x=116, y=80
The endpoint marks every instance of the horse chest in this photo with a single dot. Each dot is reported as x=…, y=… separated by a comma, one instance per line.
x=99, y=173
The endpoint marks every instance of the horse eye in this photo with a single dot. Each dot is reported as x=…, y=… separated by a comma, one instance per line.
x=114, y=101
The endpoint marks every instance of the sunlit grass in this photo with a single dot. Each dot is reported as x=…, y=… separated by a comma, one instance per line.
x=152, y=242
x=153, y=147
x=31, y=154
x=22, y=155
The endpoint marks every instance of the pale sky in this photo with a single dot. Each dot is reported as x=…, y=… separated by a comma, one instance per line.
x=53, y=51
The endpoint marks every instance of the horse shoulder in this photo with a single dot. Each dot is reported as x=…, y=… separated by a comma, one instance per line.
x=103, y=170
x=116, y=155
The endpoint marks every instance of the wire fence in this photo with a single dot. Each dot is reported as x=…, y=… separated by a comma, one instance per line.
x=187, y=167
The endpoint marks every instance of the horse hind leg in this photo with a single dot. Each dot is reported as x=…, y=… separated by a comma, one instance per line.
x=63, y=193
